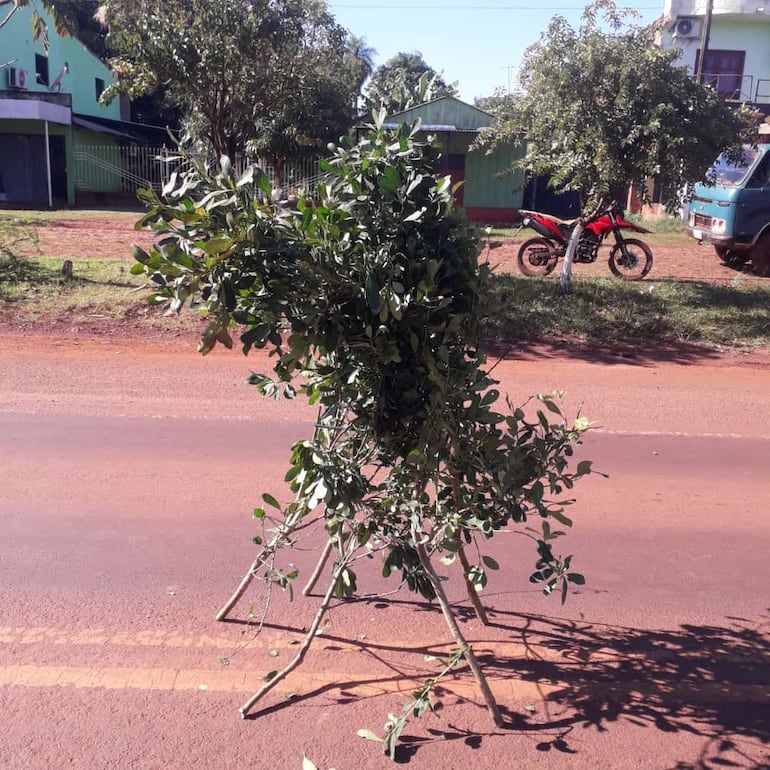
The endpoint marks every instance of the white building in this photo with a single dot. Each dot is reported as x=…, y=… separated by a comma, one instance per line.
x=737, y=60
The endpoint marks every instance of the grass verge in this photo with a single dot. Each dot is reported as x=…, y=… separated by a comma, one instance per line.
x=596, y=310
x=611, y=312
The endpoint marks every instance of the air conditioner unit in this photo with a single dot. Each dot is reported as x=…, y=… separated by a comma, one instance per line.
x=687, y=28
x=17, y=78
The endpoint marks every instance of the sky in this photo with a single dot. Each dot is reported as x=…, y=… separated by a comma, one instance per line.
x=477, y=43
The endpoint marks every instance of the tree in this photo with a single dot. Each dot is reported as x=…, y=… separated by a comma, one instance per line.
x=270, y=72
x=495, y=103
x=404, y=81
x=602, y=107
x=362, y=61
x=371, y=301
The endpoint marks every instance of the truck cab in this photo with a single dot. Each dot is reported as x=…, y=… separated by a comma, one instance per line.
x=732, y=210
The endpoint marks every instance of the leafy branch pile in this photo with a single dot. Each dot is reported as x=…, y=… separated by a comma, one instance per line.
x=370, y=301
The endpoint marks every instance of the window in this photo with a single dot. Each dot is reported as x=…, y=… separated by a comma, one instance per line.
x=98, y=87
x=41, y=69
x=724, y=71
x=760, y=177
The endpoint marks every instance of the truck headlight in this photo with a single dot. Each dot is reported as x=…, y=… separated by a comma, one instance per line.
x=718, y=226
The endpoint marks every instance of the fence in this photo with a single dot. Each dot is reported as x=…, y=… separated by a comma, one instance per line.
x=123, y=170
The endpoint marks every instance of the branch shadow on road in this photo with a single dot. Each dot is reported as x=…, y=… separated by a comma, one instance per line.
x=712, y=682
x=709, y=681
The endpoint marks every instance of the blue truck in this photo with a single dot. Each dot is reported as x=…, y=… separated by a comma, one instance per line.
x=732, y=210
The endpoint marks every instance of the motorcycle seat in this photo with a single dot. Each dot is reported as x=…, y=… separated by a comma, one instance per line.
x=557, y=220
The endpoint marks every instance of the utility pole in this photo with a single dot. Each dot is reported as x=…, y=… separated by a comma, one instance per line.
x=510, y=68
x=704, y=41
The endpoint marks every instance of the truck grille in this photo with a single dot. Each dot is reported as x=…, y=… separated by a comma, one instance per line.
x=699, y=220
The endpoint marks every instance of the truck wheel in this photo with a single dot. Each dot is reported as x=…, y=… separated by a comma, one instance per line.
x=735, y=259
x=760, y=255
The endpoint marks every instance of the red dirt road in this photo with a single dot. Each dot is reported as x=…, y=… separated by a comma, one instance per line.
x=129, y=473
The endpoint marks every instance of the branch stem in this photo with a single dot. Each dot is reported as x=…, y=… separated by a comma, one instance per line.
x=284, y=531
x=473, y=595
x=307, y=590
x=451, y=621
x=300, y=656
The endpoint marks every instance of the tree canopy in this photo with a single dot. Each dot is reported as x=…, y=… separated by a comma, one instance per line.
x=276, y=74
x=603, y=106
x=370, y=299
x=404, y=81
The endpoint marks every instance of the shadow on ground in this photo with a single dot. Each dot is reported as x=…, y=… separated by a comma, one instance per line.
x=607, y=322
x=712, y=682
x=709, y=681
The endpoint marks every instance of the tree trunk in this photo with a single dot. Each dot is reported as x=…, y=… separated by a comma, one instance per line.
x=569, y=257
x=451, y=621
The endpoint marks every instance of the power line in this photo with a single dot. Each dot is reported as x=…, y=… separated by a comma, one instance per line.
x=377, y=6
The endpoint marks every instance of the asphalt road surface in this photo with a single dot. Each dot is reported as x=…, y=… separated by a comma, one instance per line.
x=129, y=473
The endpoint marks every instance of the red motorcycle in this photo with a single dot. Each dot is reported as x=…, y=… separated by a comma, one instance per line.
x=630, y=258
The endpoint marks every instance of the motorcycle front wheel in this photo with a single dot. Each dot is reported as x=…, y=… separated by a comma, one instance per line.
x=537, y=257
x=631, y=260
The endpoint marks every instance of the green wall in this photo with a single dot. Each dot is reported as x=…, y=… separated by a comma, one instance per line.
x=16, y=43
x=487, y=186
x=483, y=186
x=94, y=170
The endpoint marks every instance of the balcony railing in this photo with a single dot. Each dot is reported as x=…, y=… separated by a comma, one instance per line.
x=739, y=88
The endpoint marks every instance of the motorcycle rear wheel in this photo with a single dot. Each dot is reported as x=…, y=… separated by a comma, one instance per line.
x=632, y=260
x=537, y=257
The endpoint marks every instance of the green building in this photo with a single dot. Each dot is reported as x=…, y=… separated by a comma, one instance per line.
x=58, y=145
x=487, y=194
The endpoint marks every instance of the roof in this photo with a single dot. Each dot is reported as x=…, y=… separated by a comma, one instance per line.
x=446, y=113
x=124, y=128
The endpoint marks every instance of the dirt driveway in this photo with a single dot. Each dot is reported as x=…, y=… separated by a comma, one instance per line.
x=73, y=239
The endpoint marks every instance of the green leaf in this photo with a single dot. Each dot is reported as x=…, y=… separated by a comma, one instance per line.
x=389, y=181
x=490, y=562
x=561, y=518
x=139, y=254
x=576, y=578
x=270, y=500
x=217, y=246
x=372, y=293
x=259, y=513
x=247, y=177
x=415, y=216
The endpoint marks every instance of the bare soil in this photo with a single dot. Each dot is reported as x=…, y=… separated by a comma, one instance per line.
x=82, y=239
